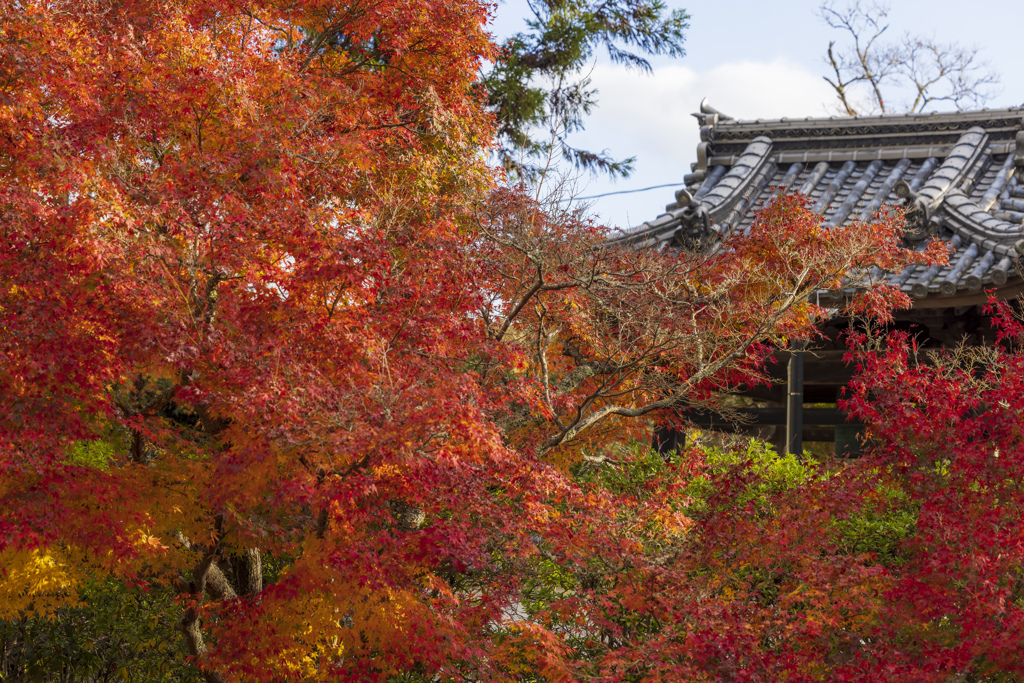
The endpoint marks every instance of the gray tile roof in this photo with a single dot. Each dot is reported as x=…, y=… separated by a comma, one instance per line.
x=959, y=176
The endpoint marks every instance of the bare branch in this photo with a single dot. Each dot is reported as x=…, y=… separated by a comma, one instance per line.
x=869, y=74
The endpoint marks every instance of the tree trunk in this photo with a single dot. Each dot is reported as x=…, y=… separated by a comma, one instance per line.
x=248, y=570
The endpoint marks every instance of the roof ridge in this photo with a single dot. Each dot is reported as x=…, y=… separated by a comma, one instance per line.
x=916, y=119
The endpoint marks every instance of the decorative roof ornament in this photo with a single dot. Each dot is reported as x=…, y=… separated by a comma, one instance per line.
x=694, y=232
x=917, y=212
x=709, y=116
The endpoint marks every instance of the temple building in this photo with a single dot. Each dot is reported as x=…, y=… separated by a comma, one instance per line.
x=960, y=179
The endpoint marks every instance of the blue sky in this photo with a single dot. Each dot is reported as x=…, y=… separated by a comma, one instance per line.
x=751, y=59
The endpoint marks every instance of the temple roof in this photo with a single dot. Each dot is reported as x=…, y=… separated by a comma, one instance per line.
x=959, y=176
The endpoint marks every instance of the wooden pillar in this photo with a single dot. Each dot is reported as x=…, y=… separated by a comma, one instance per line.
x=795, y=403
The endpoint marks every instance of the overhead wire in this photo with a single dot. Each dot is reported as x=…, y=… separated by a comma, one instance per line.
x=608, y=194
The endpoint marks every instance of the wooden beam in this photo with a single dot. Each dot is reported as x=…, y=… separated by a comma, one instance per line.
x=818, y=434
x=762, y=417
x=813, y=393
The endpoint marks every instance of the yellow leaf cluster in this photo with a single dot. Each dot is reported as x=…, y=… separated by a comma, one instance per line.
x=38, y=581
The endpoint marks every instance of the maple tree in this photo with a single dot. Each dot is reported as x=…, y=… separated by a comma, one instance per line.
x=276, y=344
x=611, y=331
x=947, y=427
x=902, y=565
x=219, y=220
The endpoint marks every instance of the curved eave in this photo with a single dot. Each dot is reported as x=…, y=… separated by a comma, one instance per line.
x=1013, y=288
x=965, y=192
x=726, y=197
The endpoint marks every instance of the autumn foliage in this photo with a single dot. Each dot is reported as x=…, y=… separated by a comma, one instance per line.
x=279, y=348
x=609, y=333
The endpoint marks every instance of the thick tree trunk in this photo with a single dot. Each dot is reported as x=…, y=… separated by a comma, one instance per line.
x=206, y=576
x=217, y=585
x=248, y=570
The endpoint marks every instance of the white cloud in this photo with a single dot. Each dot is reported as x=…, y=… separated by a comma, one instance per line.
x=649, y=116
